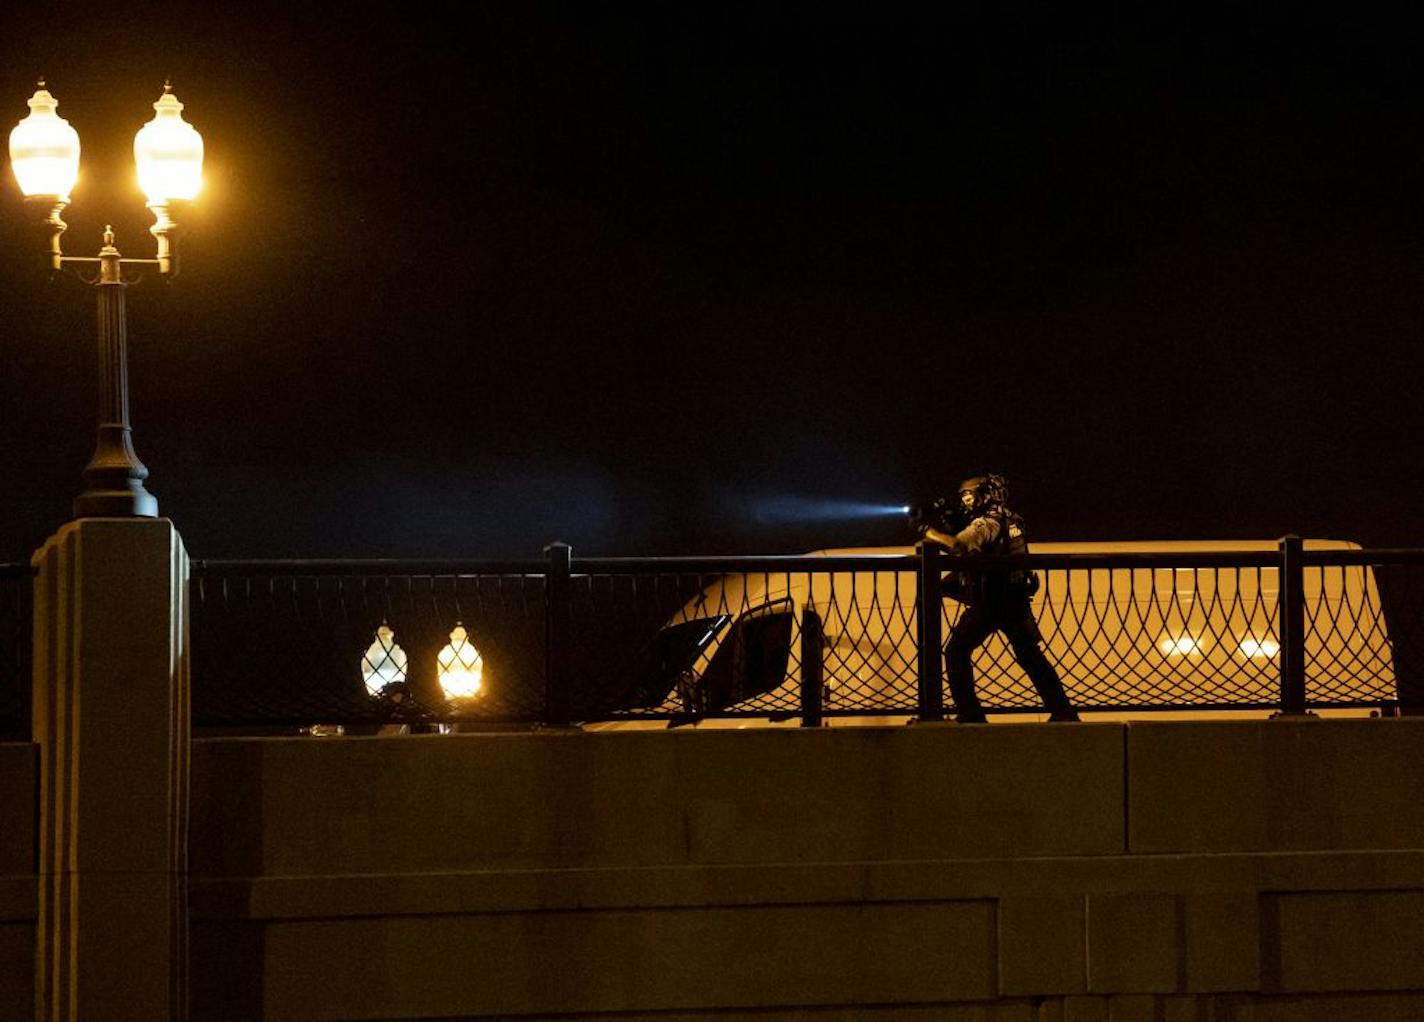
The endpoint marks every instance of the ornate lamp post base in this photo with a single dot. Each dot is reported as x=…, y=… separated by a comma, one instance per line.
x=133, y=503
x=114, y=479
x=138, y=503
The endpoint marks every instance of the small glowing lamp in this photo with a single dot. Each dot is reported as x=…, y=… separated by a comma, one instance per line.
x=1179, y=645
x=1259, y=649
x=383, y=663
x=169, y=153
x=44, y=149
x=460, y=667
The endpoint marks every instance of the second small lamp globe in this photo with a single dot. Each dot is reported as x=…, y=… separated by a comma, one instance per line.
x=168, y=152
x=459, y=667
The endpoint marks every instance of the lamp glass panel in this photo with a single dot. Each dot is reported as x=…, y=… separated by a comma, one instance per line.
x=44, y=150
x=460, y=669
x=384, y=662
x=168, y=152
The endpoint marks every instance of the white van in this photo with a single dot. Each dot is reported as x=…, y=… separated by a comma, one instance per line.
x=1126, y=640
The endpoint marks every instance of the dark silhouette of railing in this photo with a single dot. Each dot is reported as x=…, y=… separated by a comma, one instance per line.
x=287, y=644
x=15, y=617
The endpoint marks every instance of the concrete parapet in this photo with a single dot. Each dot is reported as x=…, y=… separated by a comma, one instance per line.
x=1133, y=943
x=895, y=874
x=520, y=801
x=1277, y=785
x=788, y=875
x=621, y=961
x=1190, y=944
x=1344, y=940
x=1042, y=944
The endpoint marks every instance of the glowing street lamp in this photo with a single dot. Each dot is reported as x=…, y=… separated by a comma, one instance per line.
x=44, y=154
x=168, y=152
x=460, y=668
x=383, y=666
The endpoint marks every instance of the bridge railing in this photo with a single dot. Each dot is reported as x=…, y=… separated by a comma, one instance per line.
x=290, y=644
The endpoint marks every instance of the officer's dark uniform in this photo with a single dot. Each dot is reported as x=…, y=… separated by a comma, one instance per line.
x=995, y=601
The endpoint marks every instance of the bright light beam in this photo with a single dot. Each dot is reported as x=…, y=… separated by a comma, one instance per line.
x=783, y=510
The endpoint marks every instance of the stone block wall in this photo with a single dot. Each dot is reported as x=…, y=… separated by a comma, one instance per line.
x=1244, y=870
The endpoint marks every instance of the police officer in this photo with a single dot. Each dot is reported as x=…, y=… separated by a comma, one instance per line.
x=994, y=601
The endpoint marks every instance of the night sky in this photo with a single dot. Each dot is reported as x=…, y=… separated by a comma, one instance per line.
x=622, y=277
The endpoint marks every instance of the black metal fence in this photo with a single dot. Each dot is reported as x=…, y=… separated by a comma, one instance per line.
x=360, y=644
x=15, y=617
x=290, y=644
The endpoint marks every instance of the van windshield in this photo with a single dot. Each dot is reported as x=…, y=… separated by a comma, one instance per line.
x=671, y=656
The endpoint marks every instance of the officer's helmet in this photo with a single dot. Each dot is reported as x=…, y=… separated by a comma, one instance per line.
x=979, y=494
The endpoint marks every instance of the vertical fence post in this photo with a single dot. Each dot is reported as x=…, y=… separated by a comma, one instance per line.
x=929, y=592
x=812, y=672
x=558, y=663
x=1292, y=625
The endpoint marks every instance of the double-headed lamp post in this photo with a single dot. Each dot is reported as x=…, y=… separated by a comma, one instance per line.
x=168, y=152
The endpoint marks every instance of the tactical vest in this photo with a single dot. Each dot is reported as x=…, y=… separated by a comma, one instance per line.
x=1010, y=542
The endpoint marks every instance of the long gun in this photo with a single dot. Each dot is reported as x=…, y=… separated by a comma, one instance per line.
x=941, y=514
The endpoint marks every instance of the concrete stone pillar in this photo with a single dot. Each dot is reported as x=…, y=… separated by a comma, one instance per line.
x=111, y=719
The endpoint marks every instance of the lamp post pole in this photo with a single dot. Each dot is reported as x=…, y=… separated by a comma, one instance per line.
x=114, y=476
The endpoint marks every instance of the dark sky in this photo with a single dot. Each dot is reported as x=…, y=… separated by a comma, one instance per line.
x=616, y=275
